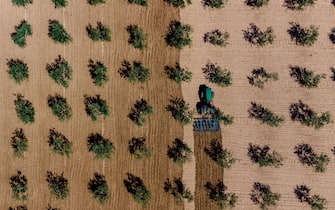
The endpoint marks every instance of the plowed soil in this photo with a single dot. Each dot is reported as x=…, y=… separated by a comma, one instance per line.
x=160, y=129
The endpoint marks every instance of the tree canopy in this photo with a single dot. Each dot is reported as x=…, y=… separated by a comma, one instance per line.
x=223, y=157
x=95, y=106
x=135, y=186
x=24, y=109
x=18, y=70
x=217, y=193
x=102, y=147
x=21, y=32
x=99, y=188
x=180, y=110
x=255, y=36
x=303, y=36
x=60, y=71
x=58, y=33
x=178, y=34
x=59, y=106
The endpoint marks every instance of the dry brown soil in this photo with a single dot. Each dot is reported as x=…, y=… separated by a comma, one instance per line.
x=160, y=129
x=240, y=58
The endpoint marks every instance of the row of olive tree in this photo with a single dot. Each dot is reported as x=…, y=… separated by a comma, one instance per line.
x=95, y=107
x=178, y=34
x=61, y=72
x=303, y=76
x=299, y=112
x=262, y=195
x=218, y=4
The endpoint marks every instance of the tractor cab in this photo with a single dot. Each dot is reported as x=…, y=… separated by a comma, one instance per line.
x=205, y=106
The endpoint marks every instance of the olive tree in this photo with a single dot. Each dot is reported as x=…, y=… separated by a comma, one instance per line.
x=179, y=191
x=263, y=157
x=180, y=110
x=96, y=2
x=214, y=4
x=303, y=36
x=223, y=157
x=24, y=109
x=19, y=142
x=215, y=74
x=140, y=109
x=58, y=33
x=134, y=73
x=18, y=183
x=262, y=195
x=95, y=107
x=18, y=70
x=60, y=108
x=99, y=33
x=178, y=34
x=264, y=115
x=332, y=77
x=137, y=38
x=179, y=3
x=143, y=3
x=260, y=76
x=102, y=147
x=306, y=78
x=298, y=4
x=217, y=38
x=98, y=72
x=21, y=32
x=256, y=3
x=217, y=193
x=59, y=143
x=221, y=117
x=316, y=202
x=58, y=185
x=177, y=73
x=19, y=207
x=255, y=36
x=98, y=186
x=308, y=157
x=179, y=152
x=135, y=186
x=332, y=35
x=60, y=71
x=22, y=3
x=138, y=148
x=302, y=192
x=302, y=113
x=60, y=3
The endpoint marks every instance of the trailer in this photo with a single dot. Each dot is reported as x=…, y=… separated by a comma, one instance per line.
x=206, y=125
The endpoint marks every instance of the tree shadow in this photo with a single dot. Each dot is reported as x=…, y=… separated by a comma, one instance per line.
x=332, y=33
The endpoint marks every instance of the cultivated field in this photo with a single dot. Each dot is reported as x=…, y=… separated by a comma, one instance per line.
x=160, y=129
x=240, y=58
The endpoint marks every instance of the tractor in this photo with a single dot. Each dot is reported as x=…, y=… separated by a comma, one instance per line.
x=205, y=105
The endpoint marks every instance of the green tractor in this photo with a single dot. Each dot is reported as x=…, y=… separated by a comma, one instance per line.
x=205, y=106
